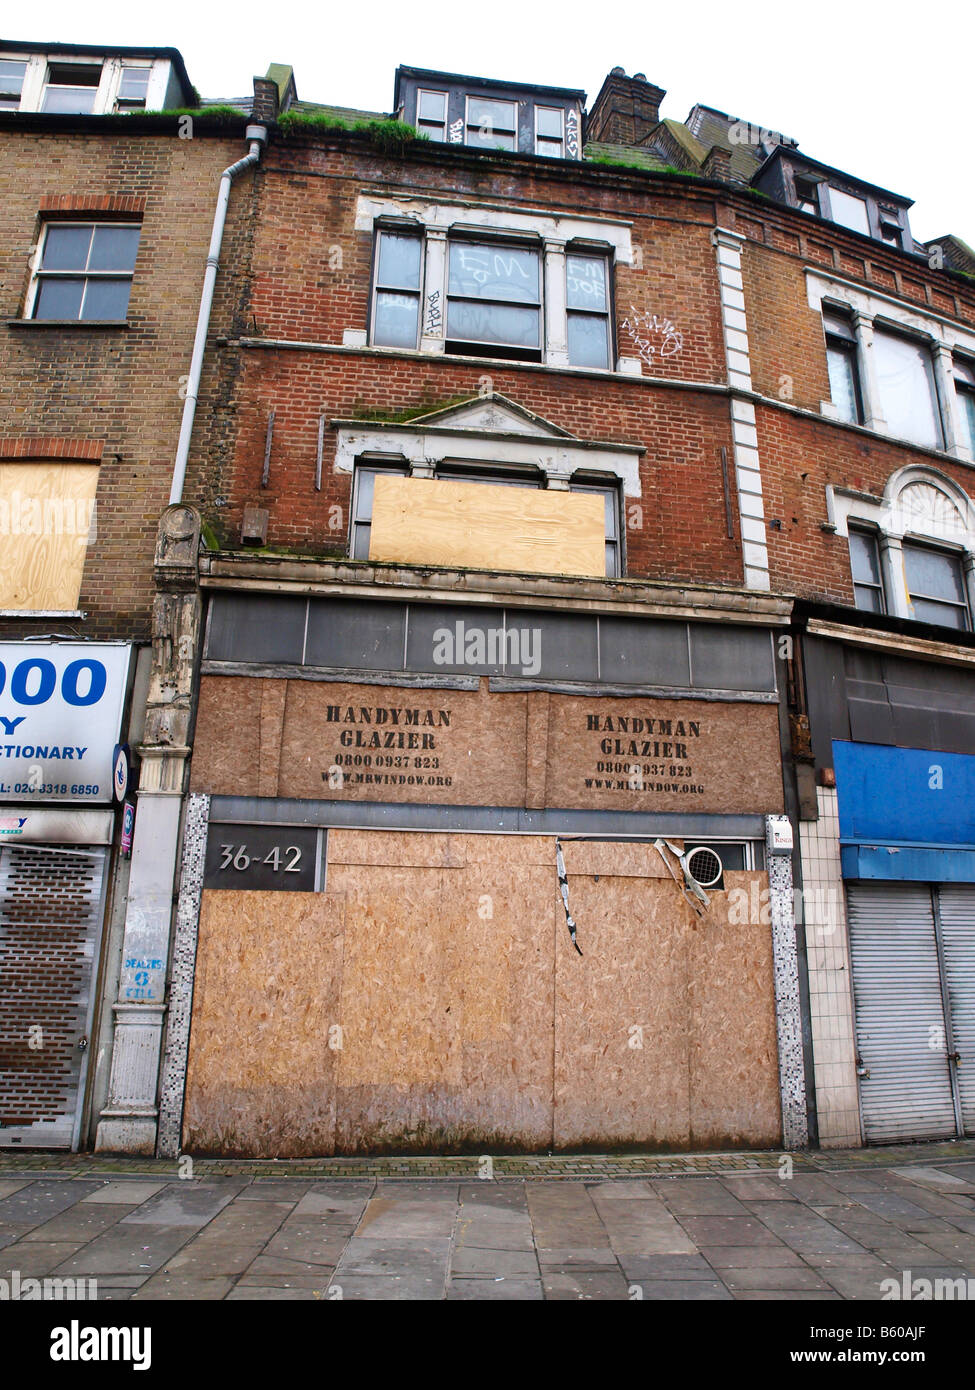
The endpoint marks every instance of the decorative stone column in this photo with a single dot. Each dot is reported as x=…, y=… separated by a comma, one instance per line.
x=895, y=585
x=944, y=381
x=433, y=310
x=873, y=415
x=128, y=1122
x=556, y=321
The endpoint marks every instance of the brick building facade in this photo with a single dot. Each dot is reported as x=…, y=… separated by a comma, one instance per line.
x=499, y=803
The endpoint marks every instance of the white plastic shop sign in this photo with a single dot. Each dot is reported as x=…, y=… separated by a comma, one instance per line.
x=60, y=714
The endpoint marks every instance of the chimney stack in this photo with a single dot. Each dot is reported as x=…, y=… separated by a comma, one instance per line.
x=626, y=110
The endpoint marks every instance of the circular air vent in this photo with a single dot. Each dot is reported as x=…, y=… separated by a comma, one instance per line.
x=704, y=866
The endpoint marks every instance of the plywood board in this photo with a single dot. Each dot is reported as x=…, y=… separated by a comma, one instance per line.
x=448, y=993
x=734, y=1080
x=441, y=747
x=227, y=754
x=434, y=521
x=46, y=510
x=339, y=741
x=464, y=1018
x=263, y=1059
x=663, y=755
x=622, y=1033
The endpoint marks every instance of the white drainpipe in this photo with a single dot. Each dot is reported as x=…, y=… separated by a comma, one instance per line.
x=257, y=135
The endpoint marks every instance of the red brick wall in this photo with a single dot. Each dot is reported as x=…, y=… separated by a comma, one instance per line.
x=305, y=203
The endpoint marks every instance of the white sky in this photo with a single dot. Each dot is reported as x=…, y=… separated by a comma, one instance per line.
x=881, y=91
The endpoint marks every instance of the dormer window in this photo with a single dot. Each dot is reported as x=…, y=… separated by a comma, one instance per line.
x=11, y=84
x=71, y=88
x=492, y=125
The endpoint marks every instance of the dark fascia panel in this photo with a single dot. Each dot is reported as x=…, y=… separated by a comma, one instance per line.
x=495, y=84
x=805, y=609
x=105, y=50
x=803, y=161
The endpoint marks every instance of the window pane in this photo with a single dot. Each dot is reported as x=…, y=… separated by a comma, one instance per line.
x=114, y=248
x=365, y=478
x=11, y=76
x=585, y=282
x=927, y=611
x=849, y=211
x=66, y=248
x=486, y=272
x=548, y=121
x=134, y=83
x=870, y=600
x=906, y=388
x=966, y=414
x=838, y=325
x=59, y=299
x=106, y=299
x=933, y=574
x=588, y=341
x=399, y=261
x=490, y=117
x=841, y=363
x=70, y=101
x=432, y=106
x=396, y=317
x=552, y=149
x=864, y=558
x=492, y=323
x=492, y=140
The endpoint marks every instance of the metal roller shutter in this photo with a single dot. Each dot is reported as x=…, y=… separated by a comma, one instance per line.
x=958, y=934
x=900, y=1023
x=50, y=927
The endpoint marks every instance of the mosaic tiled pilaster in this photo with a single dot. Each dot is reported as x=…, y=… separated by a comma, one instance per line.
x=184, y=965
x=788, y=1017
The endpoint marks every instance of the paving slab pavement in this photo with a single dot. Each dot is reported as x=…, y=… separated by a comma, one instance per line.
x=596, y=1229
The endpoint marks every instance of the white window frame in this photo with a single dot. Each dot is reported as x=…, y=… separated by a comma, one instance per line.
x=942, y=336
x=554, y=232
x=561, y=139
x=921, y=506
x=129, y=65
x=410, y=230
x=101, y=88
x=38, y=273
x=428, y=125
x=25, y=60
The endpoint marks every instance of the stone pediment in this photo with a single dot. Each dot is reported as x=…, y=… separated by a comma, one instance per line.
x=493, y=414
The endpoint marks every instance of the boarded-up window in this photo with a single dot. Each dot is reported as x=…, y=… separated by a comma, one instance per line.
x=47, y=511
x=426, y=521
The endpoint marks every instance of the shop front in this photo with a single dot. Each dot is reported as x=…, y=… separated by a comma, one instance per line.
x=62, y=709
x=475, y=879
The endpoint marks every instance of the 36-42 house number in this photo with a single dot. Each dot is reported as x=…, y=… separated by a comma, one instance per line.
x=262, y=857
